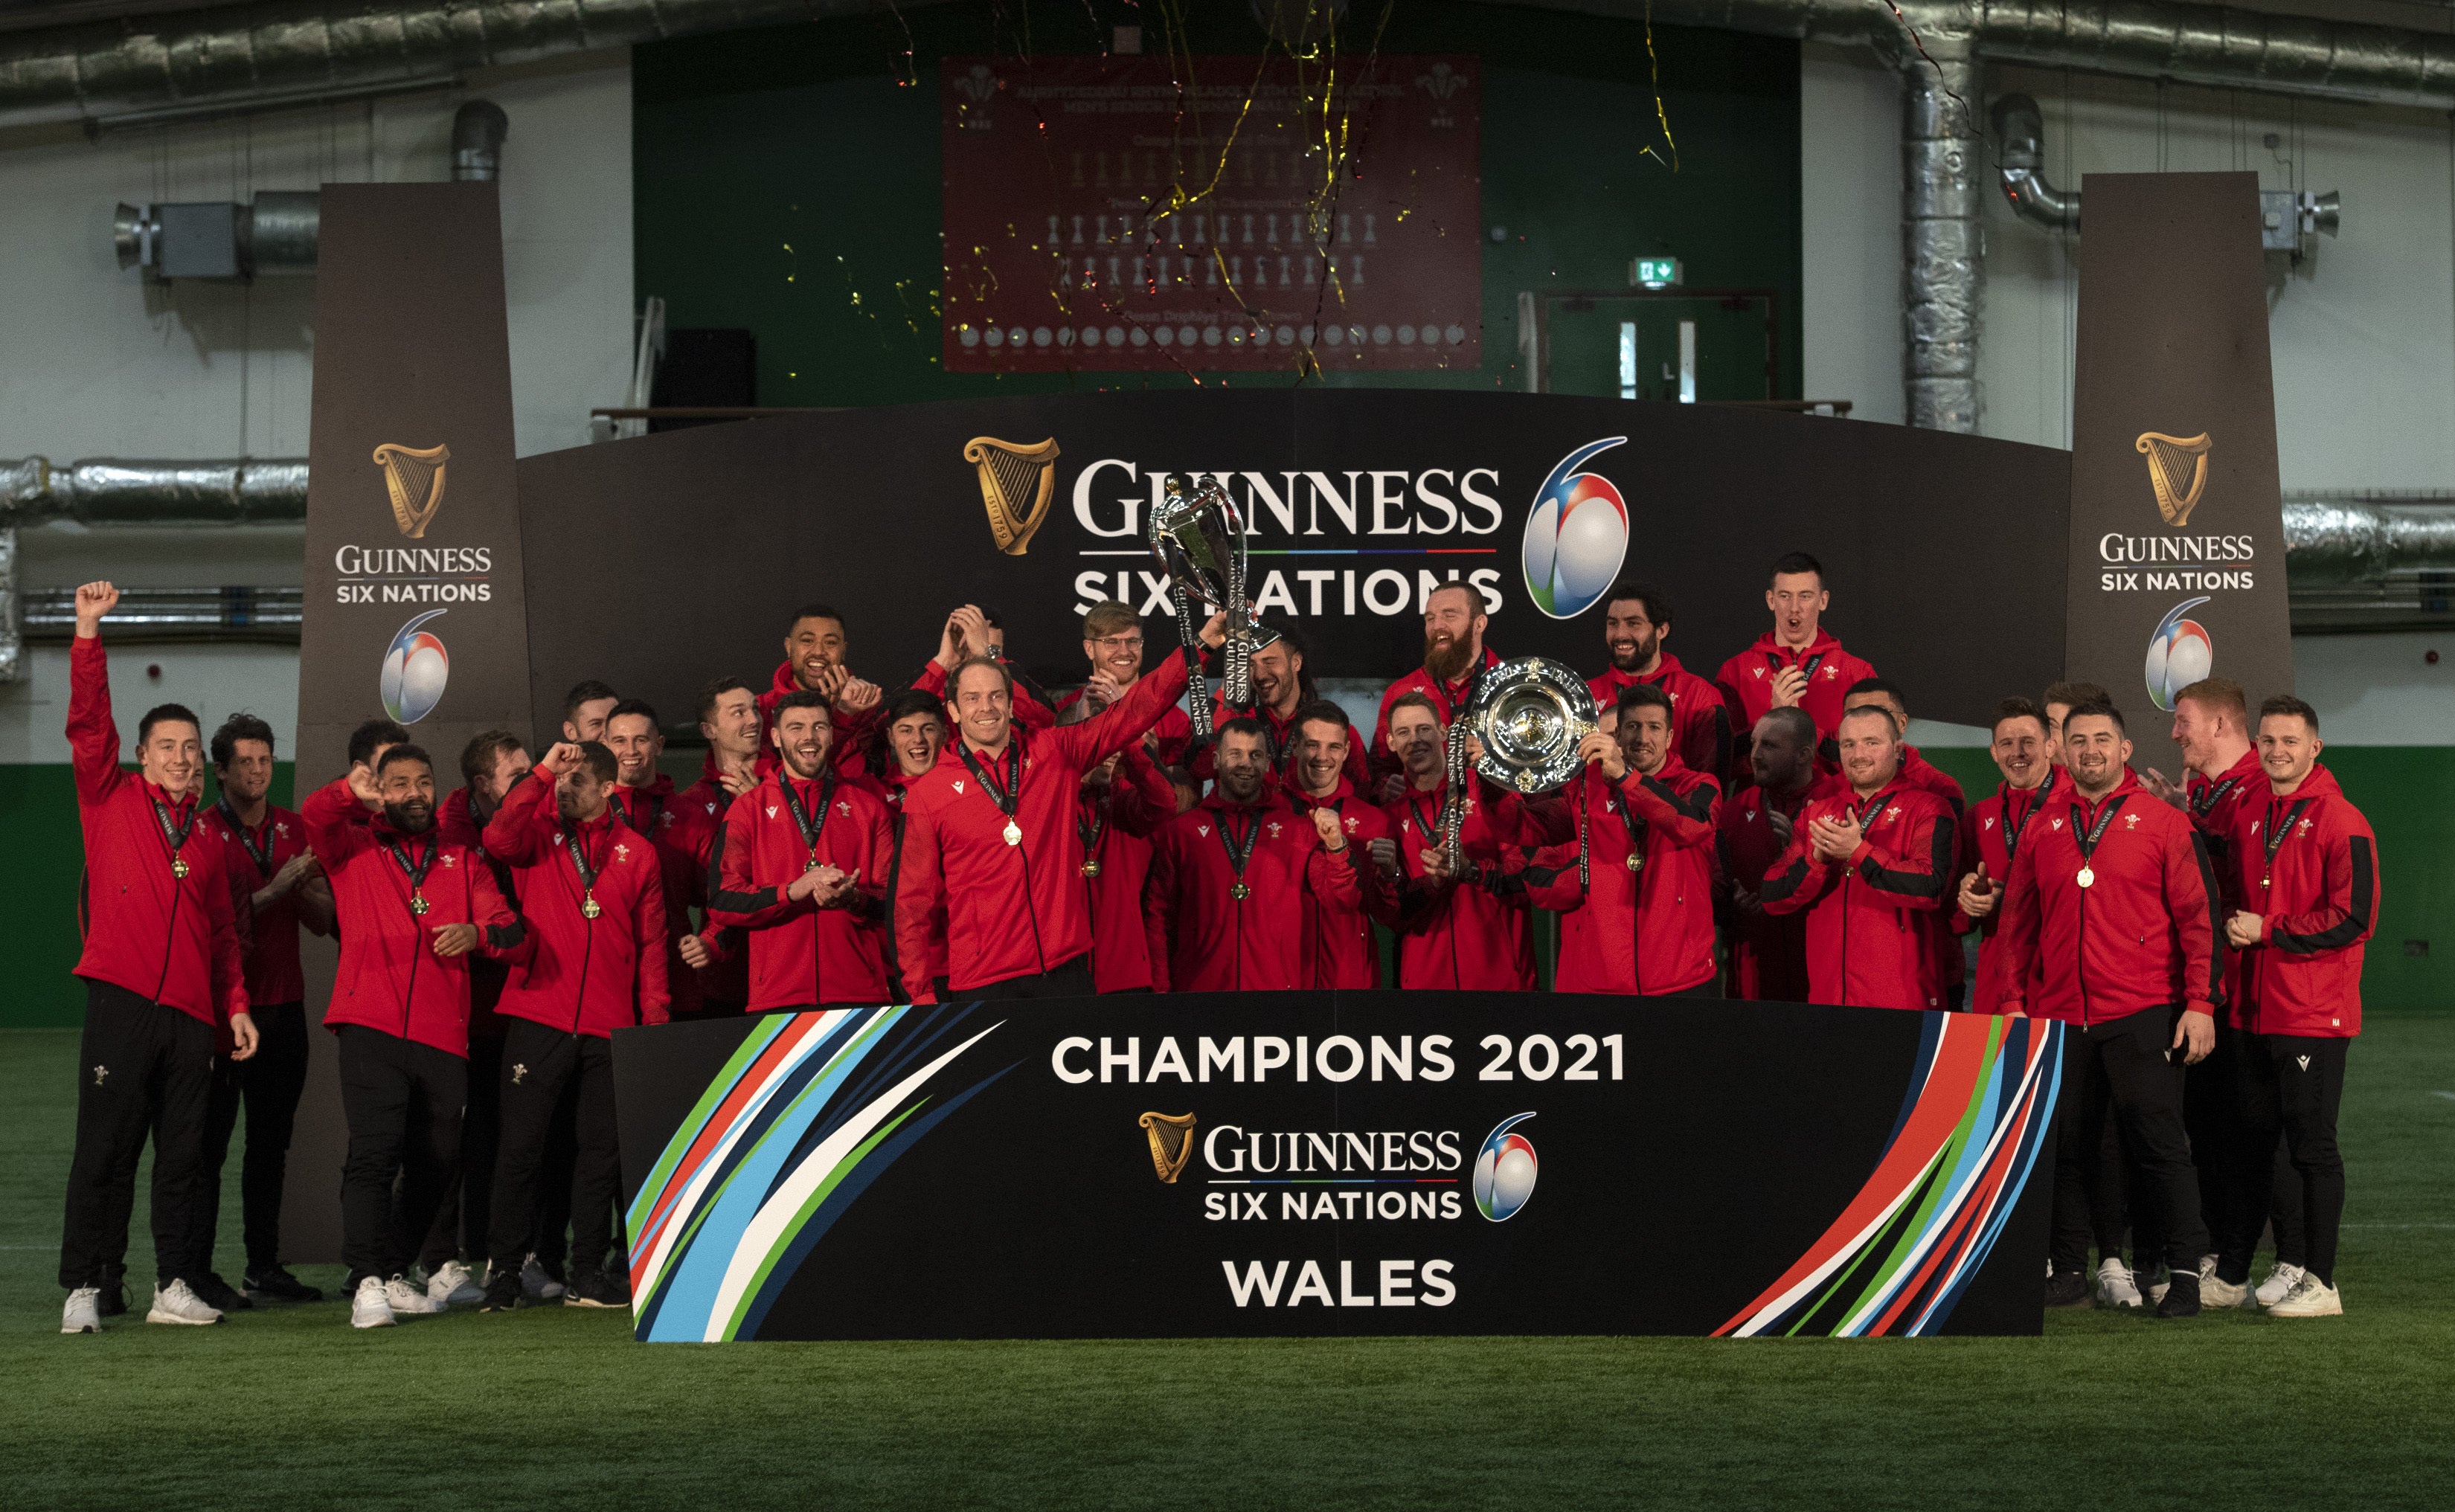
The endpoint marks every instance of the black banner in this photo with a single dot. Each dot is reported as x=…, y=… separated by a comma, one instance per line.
x=2177, y=524
x=1306, y=1163
x=678, y=557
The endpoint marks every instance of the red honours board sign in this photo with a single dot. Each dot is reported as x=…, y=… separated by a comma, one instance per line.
x=1139, y=214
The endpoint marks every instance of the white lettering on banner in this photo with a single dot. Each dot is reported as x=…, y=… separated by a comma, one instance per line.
x=2172, y=582
x=1405, y=1059
x=1265, y=1282
x=2116, y=547
x=412, y=561
x=1331, y=1207
x=1230, y=1149
x=1057, y=1059
x=1082, y=500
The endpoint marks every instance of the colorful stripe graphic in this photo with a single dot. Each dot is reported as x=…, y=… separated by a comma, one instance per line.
x=1979, y=1106
x=809, y=1111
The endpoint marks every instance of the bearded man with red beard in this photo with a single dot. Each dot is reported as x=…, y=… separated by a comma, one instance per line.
x=1454, y=656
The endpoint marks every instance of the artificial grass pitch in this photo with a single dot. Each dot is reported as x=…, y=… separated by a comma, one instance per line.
x=556, y=1408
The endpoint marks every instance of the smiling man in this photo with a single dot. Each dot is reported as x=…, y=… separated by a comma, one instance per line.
x=1636, y=621
x=1454, y=657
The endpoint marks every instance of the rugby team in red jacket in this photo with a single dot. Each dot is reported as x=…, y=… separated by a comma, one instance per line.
x=1767, y=834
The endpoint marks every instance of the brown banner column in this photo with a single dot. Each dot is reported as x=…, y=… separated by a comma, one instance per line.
x=414, y=601
x=2177, y=526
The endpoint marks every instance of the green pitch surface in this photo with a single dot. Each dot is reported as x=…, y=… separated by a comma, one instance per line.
x=556, y=1407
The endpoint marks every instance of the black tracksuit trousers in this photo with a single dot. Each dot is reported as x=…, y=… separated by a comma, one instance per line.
x=546, y=1070
x=2290, y=1085
x=142, y=1069
x=461, y=1225
x=268, y=1083
x=2123, y=1064
x=402, y=1102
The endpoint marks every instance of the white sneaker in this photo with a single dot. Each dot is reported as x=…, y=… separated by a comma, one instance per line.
x=2309, y=1298
x=452, y=1285
x=371, y=1307
x=2279, y=1285
x=534, y=1280
x=2114, y=1286
x=176, y=1303
x=2217, y=1292
x=406, y=1296
x=83, y=1314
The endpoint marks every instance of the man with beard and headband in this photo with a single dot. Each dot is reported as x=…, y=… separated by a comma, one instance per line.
x=2114, y=902
x=712, y=956
x=1125, y=799
x=1338, y=935
x=1864, y=865
x=1636, y=620
x=816, y=648
x=990, y=838
x=1225, y=908
x=594, y=900
x=1768, y=952
x=1637, y=914
x=1796, y=663
x=276, y=891
x=643, y=798
x=1112, y=642
x=162, y=973
x=1281, y=686
x=1465, y=931
x=411, y=909
x=802, y=869
x=1454, y=657
x=586, y=708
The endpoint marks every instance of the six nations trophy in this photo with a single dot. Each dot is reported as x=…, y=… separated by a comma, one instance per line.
x=1200, y=543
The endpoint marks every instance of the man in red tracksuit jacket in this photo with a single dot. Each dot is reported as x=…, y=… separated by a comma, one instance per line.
x=1124, y=802
x=1768, y=952
x=1951, y=965
x=643, y=798
x=1282, y=689
x=1466, y=932
x=2306, y=868
x=1339, y=948
x=2114, y=901
x=411, y=909
x=1636, y=620
x=1112, y=641
x=1454, y=657
x=802, y=868
x=276, y=891
x=989, y=837
x=1991, y=834
x=915, y=731
x=161, y=965
x=1796, y=663
x=1223, y=909
x=1867, y=866
x=713, y=958
x=1637, y=916
x=593, y=893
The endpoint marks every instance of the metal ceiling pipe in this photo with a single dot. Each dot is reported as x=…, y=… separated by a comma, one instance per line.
x=477, y=131
x=2020, y=126
x=2362, y=538
x=111, y=491
x=1944, y=267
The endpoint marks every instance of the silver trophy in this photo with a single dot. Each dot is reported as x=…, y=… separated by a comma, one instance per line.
x=1199, y=539
x=1529, y=715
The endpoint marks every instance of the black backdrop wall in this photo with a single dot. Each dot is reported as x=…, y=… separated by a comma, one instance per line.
x=660, y=562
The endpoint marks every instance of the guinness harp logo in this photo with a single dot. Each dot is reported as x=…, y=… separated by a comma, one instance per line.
x=1016, y=482
x=1171, y=1140
x=415, y=480
x=2178, y=470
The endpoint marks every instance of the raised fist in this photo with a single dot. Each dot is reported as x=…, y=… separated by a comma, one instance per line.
x=1325, y=823
x=561, y=760
x=93, y=600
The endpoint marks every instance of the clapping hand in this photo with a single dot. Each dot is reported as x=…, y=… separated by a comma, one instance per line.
x=1836, y=839
x=1789, y=687
x=1978, y=893
x=2241, y=931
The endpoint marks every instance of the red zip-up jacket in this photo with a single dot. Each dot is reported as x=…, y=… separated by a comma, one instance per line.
x=1700, y=722
x=1014, y=909
x=2145, y=932
x=1992, y=833
x=858, y=734
x=1471, y=936
x=1283, y=735
x=268, y=936
x=2316, y=902
x=1951, y=966
x=390, y=978
x=1867, y=943
x=892, y=790
x=1205, y=938
x=1768, y=951
x=1451, y=697
x=170, y=939
x=1173, y=733
x=1746, y=680
x=1115, y=822
x=457, y=824
x=698, y=819
x=1647, y=928
x=682, y=832
x=1338, y=944
x=583, y=975
x=801, y=954
x=2216, y=807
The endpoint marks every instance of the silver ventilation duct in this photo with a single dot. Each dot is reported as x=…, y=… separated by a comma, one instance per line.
x=2354, y=539
x=107, y=490
x=174, y=613
x=477, y=131
x=2020, y=156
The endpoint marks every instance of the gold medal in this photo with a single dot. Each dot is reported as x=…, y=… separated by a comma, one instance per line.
x=1090, y=868
x=178, y=868
x=2087, y=877
x=1240, y=891
x=418, y=904
x=1636, y=862
x=588, y=908
x=1013, y=832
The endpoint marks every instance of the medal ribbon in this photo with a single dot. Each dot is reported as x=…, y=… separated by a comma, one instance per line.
x=2012, y=831
x=1807, y=666
x=2276, y=834
x=173, y=835
x=2213, y=795
x=1090, y=832
x=998, y=792
x=811, y=828
x=1430, y=827
x=2087, y=841
x=580, y=861
x=1239, y=855
x=262, y=857
x=417, y=872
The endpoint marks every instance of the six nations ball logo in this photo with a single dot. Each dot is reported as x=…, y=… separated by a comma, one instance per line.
x=1577, y=536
